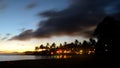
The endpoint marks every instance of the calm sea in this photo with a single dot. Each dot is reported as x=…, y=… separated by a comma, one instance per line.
x=29, y=57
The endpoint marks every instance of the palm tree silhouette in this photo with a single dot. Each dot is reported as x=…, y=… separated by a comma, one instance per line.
x=42, y=47
x=36, y=48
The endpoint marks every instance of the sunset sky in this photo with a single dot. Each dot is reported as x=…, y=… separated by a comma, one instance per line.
x=25, y=24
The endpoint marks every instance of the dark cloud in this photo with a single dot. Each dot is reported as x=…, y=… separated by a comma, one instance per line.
x=24, y=35
x=80, y=18
x=31, y=6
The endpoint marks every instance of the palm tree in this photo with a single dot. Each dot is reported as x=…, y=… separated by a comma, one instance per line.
x=41, y=47
x=36, y=48
x=76, y=42
x=65, y=43
x=85, y=43
x=92, y=42
x=53, y=45
x=60, y=45
x=47, y=46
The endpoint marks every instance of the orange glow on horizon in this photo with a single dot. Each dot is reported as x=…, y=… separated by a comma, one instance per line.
x=14, y=46
x=29, y=45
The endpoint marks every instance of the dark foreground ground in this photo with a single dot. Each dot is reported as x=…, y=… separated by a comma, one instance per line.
x=77, y=62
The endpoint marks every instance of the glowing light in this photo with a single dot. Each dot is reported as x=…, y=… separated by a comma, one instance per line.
x=51, y=53
x=77, y=52
x=59, y=57
x=89, y=52
x=64, y=56
x=65, y=51
x=93, y=51
x=81, y=51
x=59, y=51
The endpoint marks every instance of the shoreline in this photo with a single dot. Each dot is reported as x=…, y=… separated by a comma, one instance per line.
x=69, y=62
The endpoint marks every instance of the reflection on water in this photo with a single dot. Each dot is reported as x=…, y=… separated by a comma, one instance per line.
x=61, y=56
x=31, y=57
x=42, y=57
x=53, y=57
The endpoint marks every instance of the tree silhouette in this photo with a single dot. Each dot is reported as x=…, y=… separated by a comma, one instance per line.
x=47, y=46
x=76, y=42
x=65, y=43
x=108, y=34
x=85, y=44
x=73, y=47
x=60, y=45
x=36, y=48
x=42, y=47
x=53, y=45
x=92, y=42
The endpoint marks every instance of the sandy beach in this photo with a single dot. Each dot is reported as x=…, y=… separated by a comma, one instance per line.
x=70, y=62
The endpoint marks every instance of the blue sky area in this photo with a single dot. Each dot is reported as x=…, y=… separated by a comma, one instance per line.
x=16, y=14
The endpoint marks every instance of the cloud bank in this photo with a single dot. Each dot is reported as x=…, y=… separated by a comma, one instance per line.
x=79, y=19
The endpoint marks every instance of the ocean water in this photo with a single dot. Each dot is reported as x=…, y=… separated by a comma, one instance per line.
x=4, y=57
x=21, y=57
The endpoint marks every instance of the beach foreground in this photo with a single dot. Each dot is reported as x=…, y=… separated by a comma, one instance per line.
x=92, y=62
